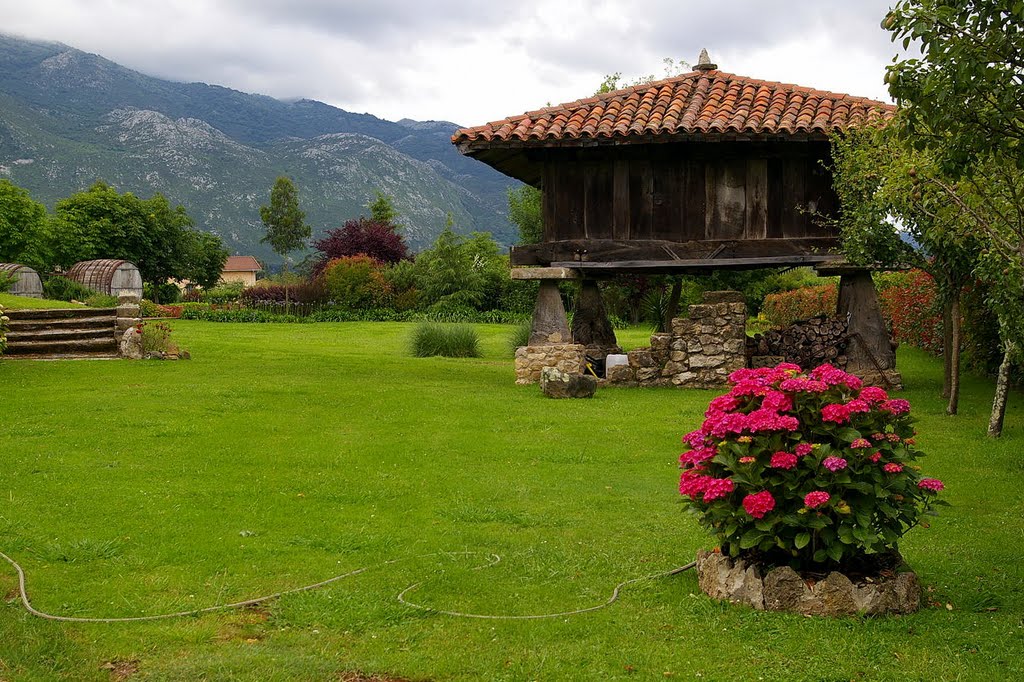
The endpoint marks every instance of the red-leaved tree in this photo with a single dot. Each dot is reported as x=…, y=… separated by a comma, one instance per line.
x=365, y=236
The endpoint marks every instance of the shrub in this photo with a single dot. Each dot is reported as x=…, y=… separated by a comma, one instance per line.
x=362, y=236
x=299, y=291
x=57, y=288
x=7, y=280
x=356, y=282
x=223, y=293
x=97, y=300
x=786, y=307
x=161, y=293
x=520, y=336
x=805, y=470
x=149, y=309
x=156, y=337
x=447, y=340
x=910, y=301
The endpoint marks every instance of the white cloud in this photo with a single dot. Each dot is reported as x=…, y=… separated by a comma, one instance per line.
x=468, y=62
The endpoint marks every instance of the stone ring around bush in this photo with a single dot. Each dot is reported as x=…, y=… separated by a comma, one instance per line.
x=807, y=481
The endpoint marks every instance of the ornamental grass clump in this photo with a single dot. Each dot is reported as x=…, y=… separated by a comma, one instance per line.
x=448, y=340
x=806, y=469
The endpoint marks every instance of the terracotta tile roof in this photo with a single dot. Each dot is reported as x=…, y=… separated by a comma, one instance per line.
x=242, y=264
x=695, y=103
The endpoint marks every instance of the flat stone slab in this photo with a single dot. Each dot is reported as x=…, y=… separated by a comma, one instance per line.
x=783, y=589
x=558, y=384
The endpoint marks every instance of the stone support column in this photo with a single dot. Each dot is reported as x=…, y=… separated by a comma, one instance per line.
x=590, y=324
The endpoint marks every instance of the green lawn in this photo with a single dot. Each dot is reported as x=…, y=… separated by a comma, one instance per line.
x=12, y=302
x=284, y=454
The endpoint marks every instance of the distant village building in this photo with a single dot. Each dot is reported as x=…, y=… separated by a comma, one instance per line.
x=241, y=269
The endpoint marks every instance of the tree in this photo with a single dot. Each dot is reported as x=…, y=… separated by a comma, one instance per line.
x=965, y=97
x=368, y=237
x=283, y=219
x=382, y=210
x=22, y=225
x=964, y=101
x=156, y=237
x=524, y=210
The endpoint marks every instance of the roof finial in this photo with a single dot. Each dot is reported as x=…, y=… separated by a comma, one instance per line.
x=704, y=62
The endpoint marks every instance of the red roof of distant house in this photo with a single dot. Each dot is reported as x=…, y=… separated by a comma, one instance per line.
x=242, y=264
x=699, y=102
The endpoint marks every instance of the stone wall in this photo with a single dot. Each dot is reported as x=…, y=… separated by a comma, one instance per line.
x=569, y=358
x=700, y=352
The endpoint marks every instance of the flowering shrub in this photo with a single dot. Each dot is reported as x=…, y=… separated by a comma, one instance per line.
x=805, y=469
x=156, y=337
x=908, y=300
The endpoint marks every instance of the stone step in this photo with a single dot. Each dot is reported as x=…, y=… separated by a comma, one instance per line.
x=59, y=313
x=80, y=323
x=64, y=356
x=101, y=345
x=60, y=334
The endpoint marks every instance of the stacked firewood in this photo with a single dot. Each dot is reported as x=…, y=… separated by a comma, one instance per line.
x=807, y=343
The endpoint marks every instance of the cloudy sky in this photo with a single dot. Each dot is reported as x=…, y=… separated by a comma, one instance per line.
x=465, y=61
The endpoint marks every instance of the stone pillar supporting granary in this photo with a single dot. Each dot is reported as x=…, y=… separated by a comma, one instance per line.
x=692, y=174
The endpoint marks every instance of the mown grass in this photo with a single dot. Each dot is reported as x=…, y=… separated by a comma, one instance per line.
x=284, y=454
x=12, y=302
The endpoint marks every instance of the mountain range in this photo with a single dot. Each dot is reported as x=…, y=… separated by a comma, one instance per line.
x=69, y=118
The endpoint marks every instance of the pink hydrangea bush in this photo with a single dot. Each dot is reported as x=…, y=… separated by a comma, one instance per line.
x=806, y=468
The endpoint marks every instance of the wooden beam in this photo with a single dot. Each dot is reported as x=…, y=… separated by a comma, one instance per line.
x=592, y=269
x=545, y=273
x=578, y=252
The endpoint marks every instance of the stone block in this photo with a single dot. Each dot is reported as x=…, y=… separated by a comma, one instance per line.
x=641, y=358
x=530, y=360
x=660, y=341
x=734, y=346
x=557, y=384
x=722, y=297
x=647, y=374
x=702, y=312
x=621, y=374
x=706, y=361
x=684, y=378
x=759, y=361
x=739, y=309
x=683, y=327
x=672, y=368
x=678, y=356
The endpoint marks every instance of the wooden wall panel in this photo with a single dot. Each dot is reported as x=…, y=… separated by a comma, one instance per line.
x=774, y=198
x=641, y=195
x=794, y=197
x=726, y=199
x=598, y=213
x=694, y=199
x=620, y=199
x=667, y=200
x=756, y=221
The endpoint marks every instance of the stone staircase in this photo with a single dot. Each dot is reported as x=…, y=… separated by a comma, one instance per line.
x=74, y=333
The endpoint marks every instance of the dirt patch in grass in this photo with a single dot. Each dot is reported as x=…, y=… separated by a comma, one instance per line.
x=244, y=625
x=121, y=669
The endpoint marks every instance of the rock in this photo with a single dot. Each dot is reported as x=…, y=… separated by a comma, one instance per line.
x=641, y=357
x=130, y=346
x=783, y=589
x=722, y=297
x=557, y=384
x=620, y=374
x=185, y=355
x=647, y=374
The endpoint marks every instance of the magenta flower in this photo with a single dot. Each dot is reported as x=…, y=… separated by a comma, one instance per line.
x=717, y=488
x=875, y=457
x=932, y=484
x=895, y=406
x=860, y=443
x=815, y=499
x=873, y=394
x=697, y=456
x=759, y=504
x=783, y=460
x=834, y=464
x=892, y=468
x=803, y=449
x=836, y=413
x=692, y=483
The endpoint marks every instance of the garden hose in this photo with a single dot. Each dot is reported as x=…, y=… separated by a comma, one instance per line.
x=492, y=559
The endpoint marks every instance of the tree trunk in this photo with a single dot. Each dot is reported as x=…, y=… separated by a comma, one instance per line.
x=590, y=325
x=995, y=422
x=947, y=348
x=954, y=356
x=672, y=309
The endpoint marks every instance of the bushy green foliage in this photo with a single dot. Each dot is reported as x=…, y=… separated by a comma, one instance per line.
x=226, y=292
x=520, y=336
x=431, y=339
x=524, y=210
x=3, y=330
x=356, y=282
x=284, y=221
x=98, y=300
x=7, y=280
x=164, y=292
x=22, y=223
x=63, y=289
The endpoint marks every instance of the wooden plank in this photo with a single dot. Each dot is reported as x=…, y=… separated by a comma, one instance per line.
x=694, y=197
x=794, y=198
x=641, y=197
x=597, y=200
x=544, y=273
x=710, y=264
x=547, y=204
x=667, y=200
x=774, y=198
x=620, y=200
x=609, y=250
x=756, y=219
x=726, y=199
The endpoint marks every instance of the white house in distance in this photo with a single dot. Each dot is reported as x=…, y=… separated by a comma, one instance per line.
x=240, y=269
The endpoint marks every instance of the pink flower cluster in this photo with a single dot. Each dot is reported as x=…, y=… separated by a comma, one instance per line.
x=840, y=413
x=717, y=488
x=783, y=460
x=834, y=463
x=815, y=499
x=833, y=376
x=892, y=468
x=860, y=443
x=932, y=484
x=873, y=394
x=759, y=504
x=803, y=449
x=896, y=406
